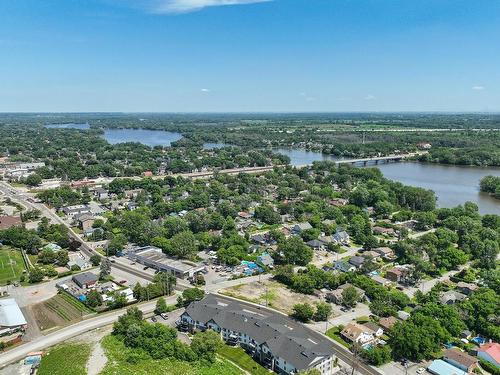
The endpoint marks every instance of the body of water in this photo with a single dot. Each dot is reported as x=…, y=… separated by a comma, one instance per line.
x=453, y=185
x=300, y=157
x=68, y=126
x=147, y=137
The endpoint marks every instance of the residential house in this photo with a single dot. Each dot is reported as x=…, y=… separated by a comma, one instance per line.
x=335, y=296
x=343, y=266
x=266, y=260
x=381, y=280
x=326, y=240
x=341, y=237
x=260, y=238
x=357, y=333
x=273, y=339
x=357, y=261
x=298, y=228
x=101, y=193
x=467, y=288
x=451, y=297
x=132, y=193
x=396, y=274
x=460, y=359
x=10, y=221
x=84, y=221
x=80, y=263
x=316, y=244
x=375, y=328
x=387, y=323
x=385, y=252
x=490, y=352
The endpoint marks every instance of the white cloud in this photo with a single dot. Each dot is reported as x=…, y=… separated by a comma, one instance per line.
x=205, y=90
x=478, y=88
x=184, y=6
x=369, y=97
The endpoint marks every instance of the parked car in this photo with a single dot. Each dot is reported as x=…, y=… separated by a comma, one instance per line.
x=153, y=319
x=164, y=316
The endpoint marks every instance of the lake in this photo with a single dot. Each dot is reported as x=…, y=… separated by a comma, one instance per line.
x=147, y=137
x=453, y=185
x=68, y=126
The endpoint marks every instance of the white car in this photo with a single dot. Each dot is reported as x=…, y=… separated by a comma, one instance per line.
x=420, y=370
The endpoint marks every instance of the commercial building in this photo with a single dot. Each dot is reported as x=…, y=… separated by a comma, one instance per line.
x=153, y=257
x=271, y=338
x=85, y=280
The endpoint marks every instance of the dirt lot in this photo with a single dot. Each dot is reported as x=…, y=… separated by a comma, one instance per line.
x=57, y=312
x=277, y=295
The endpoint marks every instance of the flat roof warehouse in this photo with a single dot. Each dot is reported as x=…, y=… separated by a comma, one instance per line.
x=153, y=257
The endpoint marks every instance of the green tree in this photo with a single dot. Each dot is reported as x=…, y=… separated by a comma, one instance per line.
x=206, y=344
x=184, y=244
x=323, y=311
x=95, y=260
x=94, y=298
x=350, y=296
x=35, y=275
x=161, y=306
x=303, y=312
x=295, y=251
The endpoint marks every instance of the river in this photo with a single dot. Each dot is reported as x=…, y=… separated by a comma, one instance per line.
x=453, y=185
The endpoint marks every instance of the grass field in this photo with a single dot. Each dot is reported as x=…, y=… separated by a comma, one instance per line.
x=238, y=356
x=65, y=359
x=117, y=364
x=60, y=310
x=11, y=265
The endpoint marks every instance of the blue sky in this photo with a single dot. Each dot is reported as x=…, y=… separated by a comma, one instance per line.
x=249, y=55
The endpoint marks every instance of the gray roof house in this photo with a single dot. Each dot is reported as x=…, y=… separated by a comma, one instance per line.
x=301, y=226
x=275, y=340
x=357, y=261
x=316, y=244
x=341, y=237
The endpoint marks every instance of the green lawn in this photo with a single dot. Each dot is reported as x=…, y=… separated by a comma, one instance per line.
x=334, y=334
x=119, y=363
x=238, y=356
x=65, y=359
x=11, y=265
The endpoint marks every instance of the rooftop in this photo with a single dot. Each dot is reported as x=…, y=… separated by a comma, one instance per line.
x=10, y=313
x=287, y=339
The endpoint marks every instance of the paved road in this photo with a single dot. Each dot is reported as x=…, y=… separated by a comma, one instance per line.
x=74, y=330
